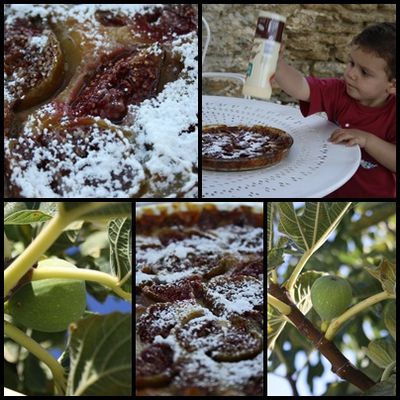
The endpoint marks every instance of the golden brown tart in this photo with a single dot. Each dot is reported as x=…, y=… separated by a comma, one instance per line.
x=237, y=148
x=100, y=100
x=199, y=303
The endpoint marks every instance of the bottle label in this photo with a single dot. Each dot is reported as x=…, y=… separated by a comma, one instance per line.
x=269, y=29
x=249, y=69
x=268, y=47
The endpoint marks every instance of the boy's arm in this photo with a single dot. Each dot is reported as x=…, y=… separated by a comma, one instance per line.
x=292, y=81
x=383, y=152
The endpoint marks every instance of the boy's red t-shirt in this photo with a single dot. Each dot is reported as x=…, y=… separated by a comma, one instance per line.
x=371, y=178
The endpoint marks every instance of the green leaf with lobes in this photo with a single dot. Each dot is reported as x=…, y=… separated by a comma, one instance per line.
x=7, y=248
x=330, y=296
x=382, y=351
x=49, y=305
x=389, y=316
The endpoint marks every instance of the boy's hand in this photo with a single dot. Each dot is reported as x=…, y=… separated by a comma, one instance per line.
x=350, y=137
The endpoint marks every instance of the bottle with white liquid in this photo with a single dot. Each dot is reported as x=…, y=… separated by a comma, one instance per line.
x=264, y=55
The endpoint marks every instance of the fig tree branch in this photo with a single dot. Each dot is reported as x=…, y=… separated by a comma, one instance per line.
x=341, y=366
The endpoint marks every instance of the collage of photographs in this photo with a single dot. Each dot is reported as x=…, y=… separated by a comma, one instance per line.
x=208, y=277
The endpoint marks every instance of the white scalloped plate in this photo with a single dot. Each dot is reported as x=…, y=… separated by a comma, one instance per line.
x=314, y=167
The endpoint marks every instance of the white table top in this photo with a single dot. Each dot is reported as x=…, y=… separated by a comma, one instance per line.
x=314, y=167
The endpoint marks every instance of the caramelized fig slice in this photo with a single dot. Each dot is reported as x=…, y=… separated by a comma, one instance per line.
x=241, y=342
x=161, y=318
x=165, y=24
x=232, y=296
x=157, y=24
x=154, y=366
x=181, y=290
x=227, y=341
x=72, y=157
x=33, y=63
x=124, y=78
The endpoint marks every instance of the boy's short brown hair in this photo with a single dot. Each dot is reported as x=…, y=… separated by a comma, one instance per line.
x=381, y=40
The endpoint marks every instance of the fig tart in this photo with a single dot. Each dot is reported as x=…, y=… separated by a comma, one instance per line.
x=237, y=148
x=100, y=100
x=199, y=302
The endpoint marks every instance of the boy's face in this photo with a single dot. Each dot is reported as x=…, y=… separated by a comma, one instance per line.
x=366, y=78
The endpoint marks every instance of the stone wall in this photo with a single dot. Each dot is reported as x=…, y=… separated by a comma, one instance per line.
x=317, y=37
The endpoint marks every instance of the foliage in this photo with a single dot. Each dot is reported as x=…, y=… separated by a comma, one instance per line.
x=356, y=241
x=382, y=352
x=62, y=252
x=390, y=318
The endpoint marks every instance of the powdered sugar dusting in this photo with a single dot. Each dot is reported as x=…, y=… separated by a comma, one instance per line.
x=159, y=124
x=175, y=261
x=215, y=337
x=113, y=157
x=235, y=296
x=152, y=152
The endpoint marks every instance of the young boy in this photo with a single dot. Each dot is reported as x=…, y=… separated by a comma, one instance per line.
x=362, y=104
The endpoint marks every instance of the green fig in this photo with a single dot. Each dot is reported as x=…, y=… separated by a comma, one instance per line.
x=330, y=296
x=49, y=305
